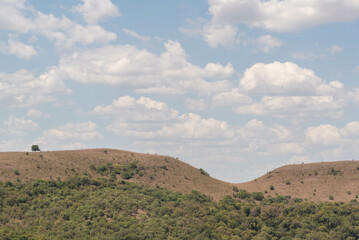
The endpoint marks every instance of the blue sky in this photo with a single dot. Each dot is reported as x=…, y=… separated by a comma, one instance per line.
x=233, y=86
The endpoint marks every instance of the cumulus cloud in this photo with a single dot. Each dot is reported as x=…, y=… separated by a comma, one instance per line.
x=69, y=136
x=296, y=107
x=351, y=130
x=326, y=135
x=24, y=89
x=17, y=48
x=146, y=118
x=64, y=33
x=94, y=11
x=12, y=16
x=18, y=126
x=224, y=35
x=267, y=42
x=283, y=16
x=129, y=67
x=280, y=78
x=291, y=91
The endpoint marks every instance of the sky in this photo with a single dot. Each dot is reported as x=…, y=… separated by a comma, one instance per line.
x=236, y=87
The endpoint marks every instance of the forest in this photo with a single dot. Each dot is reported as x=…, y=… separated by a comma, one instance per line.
x=84, y=207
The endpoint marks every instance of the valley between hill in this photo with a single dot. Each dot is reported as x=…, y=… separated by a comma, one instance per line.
x=326, y=181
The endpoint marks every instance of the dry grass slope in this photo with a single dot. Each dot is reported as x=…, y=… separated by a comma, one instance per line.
x=162, y=171
x=315, y=182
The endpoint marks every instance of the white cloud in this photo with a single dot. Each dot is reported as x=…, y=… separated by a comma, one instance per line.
x=224, y=35
x=283, y=16
x=325, y=135
x=24, y=89
x=133, y=117
x=64, y=33
x=69, y=136
x=351, y=130
x=35, y=113
x=291, y=91
x=148, y=119
x=296, y=107
x=94, y=11
x=233, y=97
x=267, y=42
x=12, y=16
x=135, y=35
x=280, y=78
x=19, y=49
x=129, y=67
x=18, y=126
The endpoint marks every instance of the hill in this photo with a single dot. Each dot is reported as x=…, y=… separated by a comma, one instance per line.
x=315, y=182
x=156, y=170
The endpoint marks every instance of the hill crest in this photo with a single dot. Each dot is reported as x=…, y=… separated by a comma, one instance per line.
x=314, y=182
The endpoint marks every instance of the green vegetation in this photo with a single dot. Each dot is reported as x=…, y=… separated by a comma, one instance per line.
x=203, y=172
x=82, y=207
x=35, y=148
x=271, y=187
x=334, y=172
x=126, y=171
x=287, y=182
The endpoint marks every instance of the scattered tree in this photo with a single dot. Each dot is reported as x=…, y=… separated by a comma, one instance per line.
x=35, y=148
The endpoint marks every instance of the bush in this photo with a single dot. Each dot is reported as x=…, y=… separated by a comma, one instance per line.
x=259, y=196
x=271, y=187
x=35, y=148
x=203, y=172
x=287, y=182
x=334, y=172
x=331, y=197
x=16, y=172
x=235, y=189
x=242, y=194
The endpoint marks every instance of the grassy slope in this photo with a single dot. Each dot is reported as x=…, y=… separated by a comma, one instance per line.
x=166, y=171
x=179, y=176
x=314, y=181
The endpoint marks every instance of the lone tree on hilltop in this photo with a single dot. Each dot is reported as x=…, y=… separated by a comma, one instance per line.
x=35, y=148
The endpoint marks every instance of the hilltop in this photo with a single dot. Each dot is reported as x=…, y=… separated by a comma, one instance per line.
x=315, y=182
x=157, y=170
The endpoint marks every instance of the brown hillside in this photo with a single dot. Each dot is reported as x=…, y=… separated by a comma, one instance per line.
x=314, y=181
x=163, y=171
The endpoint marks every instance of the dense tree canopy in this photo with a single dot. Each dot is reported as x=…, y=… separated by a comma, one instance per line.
x=82, y=207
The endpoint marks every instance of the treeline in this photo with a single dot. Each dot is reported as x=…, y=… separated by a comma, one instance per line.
x=82, y=207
